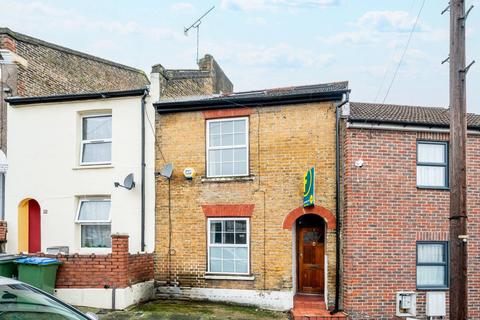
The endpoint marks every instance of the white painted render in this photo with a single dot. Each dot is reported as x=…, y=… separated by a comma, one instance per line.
x=103, y=298
x=271, y=300
x=43, y=156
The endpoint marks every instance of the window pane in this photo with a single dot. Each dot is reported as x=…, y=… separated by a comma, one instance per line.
x=428, y=152
x=229, y=226
x=228, y=253
x=227, y=169
x=227, y=140
x=227, y=155
x=94, y=211
x=97, y=128
x=97, y=152
x=215, y=128
x=430, y=276
x=227, y=127
x=240, y=126
x=228, y=266
x=240, y=238
x=239, y=139
x=96, y=236
x=215, y=140
x=215, y=155
x=216, y=253
x=241, y=266
x=240, y=168
x=431, y=176
x=216, y=226
x=215, y=169
x=228, y=238
x=241, y=253
x=215, y=265
x=431, y=253
x=240, y=226
x=240, y=154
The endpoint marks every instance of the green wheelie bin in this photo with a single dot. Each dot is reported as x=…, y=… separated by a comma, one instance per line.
x=39, y=272
x=8, y=269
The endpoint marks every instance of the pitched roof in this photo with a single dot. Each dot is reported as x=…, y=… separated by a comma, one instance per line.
x=407, y=115
x=53, y=69
x=273, y=96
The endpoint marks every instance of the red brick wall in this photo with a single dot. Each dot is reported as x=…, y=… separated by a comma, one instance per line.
x=118, y=269
x=385, y=214
x=3, y=231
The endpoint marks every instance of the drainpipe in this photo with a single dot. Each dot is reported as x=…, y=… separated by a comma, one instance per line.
x=143, y=170
x=337, y=204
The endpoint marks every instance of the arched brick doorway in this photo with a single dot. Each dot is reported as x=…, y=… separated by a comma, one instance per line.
x=323, y=212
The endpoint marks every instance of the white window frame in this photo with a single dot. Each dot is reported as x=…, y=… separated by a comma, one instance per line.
x=92, y=141
x=208, y=147
x=216, y=245
x=96, y=199
x=93, y=222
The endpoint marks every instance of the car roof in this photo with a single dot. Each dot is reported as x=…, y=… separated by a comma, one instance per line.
x=6, y=281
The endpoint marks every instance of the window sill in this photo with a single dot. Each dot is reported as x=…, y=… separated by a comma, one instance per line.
x=433, y=289
x=93, y=166
x=433, y=188
x=227, y=179
x=212, y=276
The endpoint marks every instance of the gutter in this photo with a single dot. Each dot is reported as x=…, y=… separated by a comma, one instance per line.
x=404, y=127
x=143, y=165
x=74, y=97
x=337, y=202
x=242, y=102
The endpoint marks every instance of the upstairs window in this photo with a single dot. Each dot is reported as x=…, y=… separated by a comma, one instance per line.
x=432, y=164
x=93, y=215
x=432, y=265
x=96, y=145
x=227, y=147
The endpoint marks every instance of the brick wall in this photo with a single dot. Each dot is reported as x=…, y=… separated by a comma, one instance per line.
x=385, y=214
x=285, y=141
x=118, y=269
x=54, y=70
x=3, y=231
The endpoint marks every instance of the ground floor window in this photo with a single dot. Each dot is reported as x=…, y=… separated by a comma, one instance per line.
x=93, y=215
x=432, y=265
x=228, y=245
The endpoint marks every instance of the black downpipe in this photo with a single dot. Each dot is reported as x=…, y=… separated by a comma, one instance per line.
x=143, y=171
x=337, y=203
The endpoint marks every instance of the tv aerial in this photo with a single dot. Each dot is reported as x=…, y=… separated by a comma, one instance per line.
x=196, y=25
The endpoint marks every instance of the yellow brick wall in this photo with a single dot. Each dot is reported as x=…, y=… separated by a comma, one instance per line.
x=285, y=141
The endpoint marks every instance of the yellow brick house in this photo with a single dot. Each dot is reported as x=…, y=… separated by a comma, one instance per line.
x=231, y=224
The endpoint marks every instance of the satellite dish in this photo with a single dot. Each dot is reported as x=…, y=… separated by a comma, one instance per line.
x=128, y=182
x=167, y=170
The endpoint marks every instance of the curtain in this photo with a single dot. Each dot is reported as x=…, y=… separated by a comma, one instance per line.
x=431, y=275
x=97, y=152
x=97, y=128
x=94, y=211
x=96, y=236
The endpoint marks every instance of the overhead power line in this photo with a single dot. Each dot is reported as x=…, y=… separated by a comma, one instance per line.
x=404, y=51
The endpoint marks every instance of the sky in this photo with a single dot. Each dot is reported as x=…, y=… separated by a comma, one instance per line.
x=269, y=43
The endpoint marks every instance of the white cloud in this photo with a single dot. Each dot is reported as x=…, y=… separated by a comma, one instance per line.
x=269, y=5
x=279, y=56
x=182, y=6
x=389, y=21
x=257, y=21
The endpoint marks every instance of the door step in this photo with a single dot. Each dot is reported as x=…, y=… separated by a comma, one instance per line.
x=312, y=307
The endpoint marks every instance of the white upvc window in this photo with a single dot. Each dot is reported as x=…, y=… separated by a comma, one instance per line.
x=229, y=246
x=227, y=147
x=96, y=144
x=93, y=216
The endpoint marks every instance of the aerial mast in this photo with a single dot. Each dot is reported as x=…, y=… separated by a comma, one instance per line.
x=196, y=25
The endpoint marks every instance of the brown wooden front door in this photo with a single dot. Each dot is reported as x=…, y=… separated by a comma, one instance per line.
x=311, y=251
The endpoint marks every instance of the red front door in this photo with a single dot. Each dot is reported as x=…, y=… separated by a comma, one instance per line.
x=311, y=251
x=34, y=227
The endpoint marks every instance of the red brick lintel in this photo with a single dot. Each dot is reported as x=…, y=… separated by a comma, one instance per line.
x=326, y=214
x=227, y=113
x=228, y=210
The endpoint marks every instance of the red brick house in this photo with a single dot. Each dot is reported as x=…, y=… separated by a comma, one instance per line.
x=396, y=209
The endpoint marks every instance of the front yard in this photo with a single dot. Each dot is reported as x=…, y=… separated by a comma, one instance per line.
x=191, y=310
